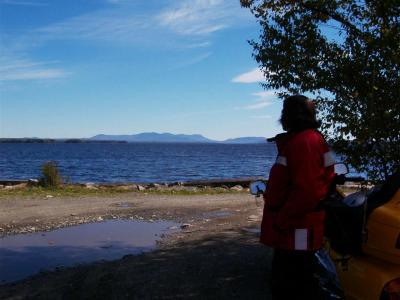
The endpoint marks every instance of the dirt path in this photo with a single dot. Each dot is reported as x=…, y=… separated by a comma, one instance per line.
x=215, y=257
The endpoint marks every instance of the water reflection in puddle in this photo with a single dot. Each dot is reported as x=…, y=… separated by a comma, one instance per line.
x=25, y=255
x=257, y=231
x=218, y=214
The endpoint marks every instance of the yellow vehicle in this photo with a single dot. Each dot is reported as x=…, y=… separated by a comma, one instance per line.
x=374, y=272
x=363, y=239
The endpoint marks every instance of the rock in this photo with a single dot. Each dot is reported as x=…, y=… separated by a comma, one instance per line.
x=186, y=225
x=172, y=227
x=237, y=188
x=49, y=196
x=1, y=186
x=154, y=185
x=15, y=187
x=225, y=187
x=252, y=218
x=33, y=182
x=100, y=219
x=141, y=188
x=91, y=186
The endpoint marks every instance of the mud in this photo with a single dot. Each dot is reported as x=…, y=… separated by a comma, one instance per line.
x=215, y=254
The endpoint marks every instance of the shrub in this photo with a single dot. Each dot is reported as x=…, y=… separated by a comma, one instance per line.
x=50, y=175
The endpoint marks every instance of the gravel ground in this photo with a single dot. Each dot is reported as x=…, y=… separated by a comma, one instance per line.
x=216, y=256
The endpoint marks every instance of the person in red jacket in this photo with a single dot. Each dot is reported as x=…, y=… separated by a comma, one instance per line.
x=293, y=222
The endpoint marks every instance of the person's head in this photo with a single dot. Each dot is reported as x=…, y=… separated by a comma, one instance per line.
x=298, y=114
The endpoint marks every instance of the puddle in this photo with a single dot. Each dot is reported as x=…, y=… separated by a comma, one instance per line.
x=124, y=205
x=218, y=214
x=25, y=255
x=252, y=230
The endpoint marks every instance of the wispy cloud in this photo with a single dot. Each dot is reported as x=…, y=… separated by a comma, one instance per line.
x=264, y=99
x=257, y=105
x=13, y=69
x=187, y=23
x=192, y=61
x=251, y=76
x=23, y=3
x=198, y=17
x=265, y=94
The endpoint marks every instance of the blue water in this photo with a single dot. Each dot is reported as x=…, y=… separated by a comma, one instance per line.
x=138, y=162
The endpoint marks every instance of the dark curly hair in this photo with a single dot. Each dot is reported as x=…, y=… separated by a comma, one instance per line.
x=298, y=114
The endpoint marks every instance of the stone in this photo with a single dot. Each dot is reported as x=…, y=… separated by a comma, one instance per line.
x=237, y=188
x=15, y=187
x=253, y=218
x=141, y=188
x=33, y=182
x=186, y=225
x=49, y=196
x=154, y=185
x=91, y=186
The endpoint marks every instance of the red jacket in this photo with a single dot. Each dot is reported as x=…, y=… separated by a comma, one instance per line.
x=298, y=181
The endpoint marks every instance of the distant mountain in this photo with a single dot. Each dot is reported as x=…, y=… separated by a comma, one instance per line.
x=155, y=138
x=246, y=140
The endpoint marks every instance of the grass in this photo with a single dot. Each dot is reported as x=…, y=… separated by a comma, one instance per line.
x=62, y=191
x=199, y=191
x=77, y=191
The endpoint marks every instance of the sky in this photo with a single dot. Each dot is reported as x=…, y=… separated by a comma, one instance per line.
x=86, y=67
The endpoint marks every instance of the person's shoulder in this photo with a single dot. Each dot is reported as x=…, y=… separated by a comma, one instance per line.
x=309, y=135
x=307, y=138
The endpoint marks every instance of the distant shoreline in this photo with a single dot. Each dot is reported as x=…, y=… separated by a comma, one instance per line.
x=54, y=141
x=88, y=141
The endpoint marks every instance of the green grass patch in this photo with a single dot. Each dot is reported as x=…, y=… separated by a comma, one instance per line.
x=77, y=191
x=200, y=191
x=62, y=191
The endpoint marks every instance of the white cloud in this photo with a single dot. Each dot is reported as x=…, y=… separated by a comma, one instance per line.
x=199, y=17
x=264, y=99
x=187, y=23
x=252, y=76
x=192, y=61
x=22, y=3
x=264, y=94
x=257, y=105
x=13, y=69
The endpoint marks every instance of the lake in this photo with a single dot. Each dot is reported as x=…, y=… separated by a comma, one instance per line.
x=138, y=162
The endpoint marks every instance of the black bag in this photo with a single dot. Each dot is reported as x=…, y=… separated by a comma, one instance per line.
x=344, y=225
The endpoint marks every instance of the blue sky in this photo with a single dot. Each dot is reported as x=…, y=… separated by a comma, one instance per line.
x=80, y=68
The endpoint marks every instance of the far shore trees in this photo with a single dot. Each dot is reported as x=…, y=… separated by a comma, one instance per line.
x=345, y=54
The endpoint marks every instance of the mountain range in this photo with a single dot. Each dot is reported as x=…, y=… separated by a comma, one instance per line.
x=154, y=137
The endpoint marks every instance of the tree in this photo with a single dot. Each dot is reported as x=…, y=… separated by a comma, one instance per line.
x=346, y=54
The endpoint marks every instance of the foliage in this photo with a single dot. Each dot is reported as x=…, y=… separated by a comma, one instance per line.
x=346, y=54
x=50, y=175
